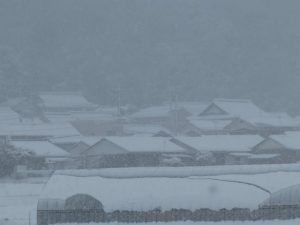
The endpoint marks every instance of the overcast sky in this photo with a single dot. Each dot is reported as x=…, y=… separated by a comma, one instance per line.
x=151, y=49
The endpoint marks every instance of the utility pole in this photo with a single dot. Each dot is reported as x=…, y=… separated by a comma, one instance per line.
x=176, y=114
x=119, y=100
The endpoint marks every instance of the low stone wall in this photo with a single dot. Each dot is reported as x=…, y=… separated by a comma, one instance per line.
x=45, y=217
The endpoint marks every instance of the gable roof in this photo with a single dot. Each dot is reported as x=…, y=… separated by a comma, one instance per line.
x=210, y=125
x=144, y=144
x=193, y=107
x=142, y=130
x=220, y=143
x=64, y=100
x=88, y=140
x=48, y=130
x=235, y=107
x=153, y=111
x=289, y=140
x=40, y=148
x=272, y=120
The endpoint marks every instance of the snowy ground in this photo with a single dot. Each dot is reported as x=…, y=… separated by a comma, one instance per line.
x=18, y=200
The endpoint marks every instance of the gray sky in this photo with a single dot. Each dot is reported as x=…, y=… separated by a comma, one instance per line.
x=198, y=49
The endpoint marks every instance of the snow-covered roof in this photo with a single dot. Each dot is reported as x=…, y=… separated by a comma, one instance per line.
x=153, y=111
x=289, y=196
x=109, y=112
x=238, y=107
x=49, y=130
x=241, y=154
x=64, y=99
x=143, y=130
x=97, y=116
x=143, y=194
x=40, y=148
x=210, y=125
x=248, y=111
x=263, y=156
x=144, y=144
x=255, y=156
x=57, y=117
x=76, y=139
x=289, y=140
x=194, y=107
x=271, y=120
x=226, y=143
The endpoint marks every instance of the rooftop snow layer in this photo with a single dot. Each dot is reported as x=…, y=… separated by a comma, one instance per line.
x=290, y=140
x=154, y=111
x=64, y=99
x=210, y=124
x=238, y=107
x=53, y=130
x=226, y=143
x=142, y=130
x=272, y=120
x=76, y=139
x=40, y=148
x=194, y=107
x=145, y=144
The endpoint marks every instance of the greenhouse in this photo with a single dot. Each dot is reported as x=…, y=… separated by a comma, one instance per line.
x=71, y=198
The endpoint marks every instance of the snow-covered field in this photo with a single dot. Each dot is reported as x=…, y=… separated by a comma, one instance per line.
x=18, y=200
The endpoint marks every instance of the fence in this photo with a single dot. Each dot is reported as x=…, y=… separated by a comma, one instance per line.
x=45, y=217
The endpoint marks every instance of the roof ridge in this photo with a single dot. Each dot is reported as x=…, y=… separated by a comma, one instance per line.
x=232, y=100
